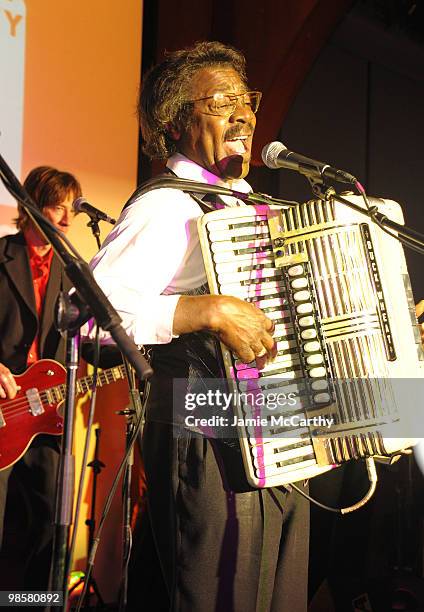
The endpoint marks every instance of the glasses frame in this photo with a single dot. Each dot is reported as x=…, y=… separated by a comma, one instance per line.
x=234, y=98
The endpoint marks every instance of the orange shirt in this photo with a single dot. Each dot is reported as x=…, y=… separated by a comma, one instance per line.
x=40, y=269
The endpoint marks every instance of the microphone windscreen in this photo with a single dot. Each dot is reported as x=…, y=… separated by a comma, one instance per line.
x=76, y=205
x=270, y=154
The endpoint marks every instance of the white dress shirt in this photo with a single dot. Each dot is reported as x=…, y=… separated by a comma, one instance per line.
x=153, y=255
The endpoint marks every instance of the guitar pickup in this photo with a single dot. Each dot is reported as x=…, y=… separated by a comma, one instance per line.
x=35, y=404
x=2, y=421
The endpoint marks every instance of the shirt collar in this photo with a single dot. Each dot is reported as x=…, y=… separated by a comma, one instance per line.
x=188, y=169
x=35, y=257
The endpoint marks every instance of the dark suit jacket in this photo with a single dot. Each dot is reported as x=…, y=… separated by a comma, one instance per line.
x=18, y=317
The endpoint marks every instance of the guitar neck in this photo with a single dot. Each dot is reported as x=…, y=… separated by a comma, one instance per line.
x=104, y=377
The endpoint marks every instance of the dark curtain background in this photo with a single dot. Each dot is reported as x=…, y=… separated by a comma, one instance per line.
x=279, y=39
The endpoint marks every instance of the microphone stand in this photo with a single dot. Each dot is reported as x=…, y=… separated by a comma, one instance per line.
x=132, y=417
x=93, y=224
x=66, y=310
x=106, y=316
x=374, y=215
x=324, y=191
x=66, y=473
x=97, y=466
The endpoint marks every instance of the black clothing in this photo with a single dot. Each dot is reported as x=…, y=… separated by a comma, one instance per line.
x=35, y=473
x=219, y=544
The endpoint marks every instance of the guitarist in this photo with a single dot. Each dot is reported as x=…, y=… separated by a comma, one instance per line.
x=31, y=278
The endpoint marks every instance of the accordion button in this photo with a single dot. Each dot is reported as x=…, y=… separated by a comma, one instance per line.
x=299, y=283
x=301, y=296
x=308, y=334
x=311, y=347
x=295, y=271
x=315, y=359
x=319, y=385
x=317, y=372
x=306, y=321
x=322, y=398
x=305, y=308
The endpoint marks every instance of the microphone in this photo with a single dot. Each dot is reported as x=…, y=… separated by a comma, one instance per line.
x=81, y=205
x=276, y=155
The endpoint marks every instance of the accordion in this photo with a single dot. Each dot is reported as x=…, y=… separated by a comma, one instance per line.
x=337, y=288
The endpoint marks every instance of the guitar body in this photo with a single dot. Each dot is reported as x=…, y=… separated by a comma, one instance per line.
x=19, y=418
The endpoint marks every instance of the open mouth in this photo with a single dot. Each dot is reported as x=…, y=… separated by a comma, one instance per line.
x=238, y=145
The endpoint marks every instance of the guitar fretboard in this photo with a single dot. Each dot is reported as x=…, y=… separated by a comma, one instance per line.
x=104, y=377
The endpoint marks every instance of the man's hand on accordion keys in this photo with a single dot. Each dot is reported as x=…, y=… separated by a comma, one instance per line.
x=240, y=325
x=244, y=329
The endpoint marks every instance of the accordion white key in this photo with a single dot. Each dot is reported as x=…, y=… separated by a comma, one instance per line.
x=337, y=288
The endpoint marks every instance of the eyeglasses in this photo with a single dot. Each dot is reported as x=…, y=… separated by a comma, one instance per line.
x=224, y=104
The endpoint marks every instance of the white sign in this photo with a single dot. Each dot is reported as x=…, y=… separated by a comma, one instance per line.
x=12, y=76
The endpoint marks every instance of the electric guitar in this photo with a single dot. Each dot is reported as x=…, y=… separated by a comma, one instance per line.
x=35, y=409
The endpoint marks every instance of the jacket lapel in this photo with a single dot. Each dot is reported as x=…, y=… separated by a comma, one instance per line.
x=16, y=263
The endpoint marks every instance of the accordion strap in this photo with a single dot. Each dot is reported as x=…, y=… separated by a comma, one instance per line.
x=169, y=180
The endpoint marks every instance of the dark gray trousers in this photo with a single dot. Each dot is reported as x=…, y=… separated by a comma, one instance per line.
x=218, y=549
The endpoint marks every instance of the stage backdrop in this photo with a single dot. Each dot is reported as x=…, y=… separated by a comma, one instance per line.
x=69, y=74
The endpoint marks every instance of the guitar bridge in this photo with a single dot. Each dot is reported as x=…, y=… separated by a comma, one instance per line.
x=35, y=404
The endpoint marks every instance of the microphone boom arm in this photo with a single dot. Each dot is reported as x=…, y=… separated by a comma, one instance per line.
x=403, y=231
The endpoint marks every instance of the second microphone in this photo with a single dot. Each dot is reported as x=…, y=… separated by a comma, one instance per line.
x=81, y=205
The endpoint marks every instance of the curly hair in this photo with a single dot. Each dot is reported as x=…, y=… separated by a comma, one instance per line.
x=165, y=91
x=47, y=187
